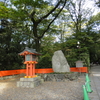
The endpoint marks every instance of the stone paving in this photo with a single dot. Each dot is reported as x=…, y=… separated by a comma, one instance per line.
x=95, y=83
x=68, y=90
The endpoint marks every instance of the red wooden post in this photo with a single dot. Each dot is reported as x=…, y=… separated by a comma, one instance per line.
x=34, y=69
x=26, y=69
x=30, y=68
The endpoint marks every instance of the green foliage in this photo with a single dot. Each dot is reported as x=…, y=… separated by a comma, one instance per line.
x=45, y=62
x=10, y=46
x=26, y=22
x=3, y=10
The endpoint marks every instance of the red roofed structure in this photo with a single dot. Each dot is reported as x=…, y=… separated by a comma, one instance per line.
x=30, y=61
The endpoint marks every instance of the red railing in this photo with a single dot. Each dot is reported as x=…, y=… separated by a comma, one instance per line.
x=15, y=72
x=45, y=70
x=80, y=69
x=12, y=72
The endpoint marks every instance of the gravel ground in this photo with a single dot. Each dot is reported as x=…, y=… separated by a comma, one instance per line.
x=69, y=90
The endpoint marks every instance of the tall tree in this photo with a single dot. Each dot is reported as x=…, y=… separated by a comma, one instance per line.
x=78, y=15
x=11, y=40
x=40, y=14
x=93, y=33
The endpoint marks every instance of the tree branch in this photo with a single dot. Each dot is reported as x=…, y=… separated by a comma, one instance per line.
x=53, y=20
x=31, y=15
x=45, y=16
x=75, y=11
x=31, y=35
x=71, y=16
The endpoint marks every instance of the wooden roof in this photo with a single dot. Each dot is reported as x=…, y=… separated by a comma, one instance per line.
x=27, y=51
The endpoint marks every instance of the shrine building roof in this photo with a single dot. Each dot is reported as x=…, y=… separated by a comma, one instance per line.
x=28, y=50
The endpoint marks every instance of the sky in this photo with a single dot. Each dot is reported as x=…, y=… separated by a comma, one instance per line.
x=91, y=4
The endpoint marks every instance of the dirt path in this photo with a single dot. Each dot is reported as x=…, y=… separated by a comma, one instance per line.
x=69, y=90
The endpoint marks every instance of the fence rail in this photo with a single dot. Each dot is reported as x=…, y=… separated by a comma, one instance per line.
x=80, y=69
x=12, y=72
x=45, y=70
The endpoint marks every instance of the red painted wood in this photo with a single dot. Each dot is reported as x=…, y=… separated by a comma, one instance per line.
x=12, y=72
x=80, y=69
x=45, y=70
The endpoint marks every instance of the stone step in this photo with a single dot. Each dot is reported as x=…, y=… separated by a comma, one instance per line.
x=30, y=79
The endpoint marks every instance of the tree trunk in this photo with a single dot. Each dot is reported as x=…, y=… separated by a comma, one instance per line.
x=36, y=38
x=37, y=45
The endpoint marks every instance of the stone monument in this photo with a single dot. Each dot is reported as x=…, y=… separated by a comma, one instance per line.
x=59, y=62
x=79, y=63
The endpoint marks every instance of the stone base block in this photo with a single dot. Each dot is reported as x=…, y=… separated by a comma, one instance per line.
x=29, y=82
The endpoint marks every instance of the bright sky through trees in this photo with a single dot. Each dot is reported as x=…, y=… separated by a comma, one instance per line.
x=91, y=4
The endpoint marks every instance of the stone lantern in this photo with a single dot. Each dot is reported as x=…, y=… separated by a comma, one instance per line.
x=30, y=80
x=30, y=61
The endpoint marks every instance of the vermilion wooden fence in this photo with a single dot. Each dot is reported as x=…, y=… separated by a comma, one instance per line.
x=80, y=69
x=12, y=72
x=46, y=70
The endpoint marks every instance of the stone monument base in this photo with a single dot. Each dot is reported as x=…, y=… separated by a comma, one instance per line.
x=29, y=82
